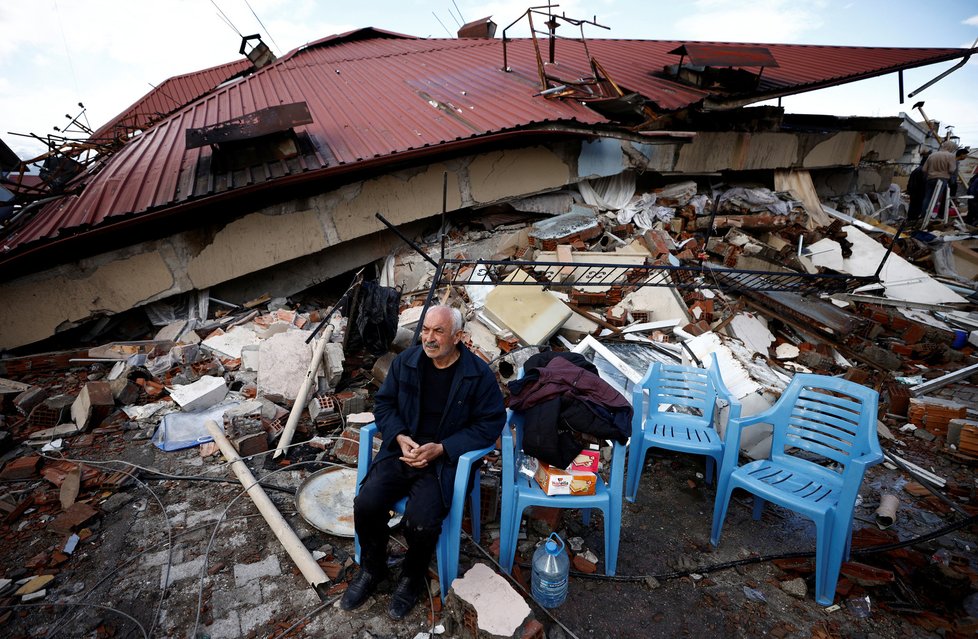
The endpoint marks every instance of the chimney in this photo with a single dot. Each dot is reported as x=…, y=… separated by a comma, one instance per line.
x=259, y=54
x=481, y=28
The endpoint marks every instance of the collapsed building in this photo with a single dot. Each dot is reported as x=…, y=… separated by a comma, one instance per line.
x=264, y=177
x=614, y=198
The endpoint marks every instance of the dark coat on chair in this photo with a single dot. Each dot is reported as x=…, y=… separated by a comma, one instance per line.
x=473, y=417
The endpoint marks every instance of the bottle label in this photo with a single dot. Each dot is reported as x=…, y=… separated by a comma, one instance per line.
x=549, y=589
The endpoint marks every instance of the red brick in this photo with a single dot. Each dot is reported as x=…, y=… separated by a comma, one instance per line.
x=75, y=517
x=21, y=468
x=583, y=565
x=533, y=629
x=914, y=333
x=549, y=516
x=347, y=449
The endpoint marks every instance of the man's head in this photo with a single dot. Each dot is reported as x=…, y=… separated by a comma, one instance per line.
x=441, y=333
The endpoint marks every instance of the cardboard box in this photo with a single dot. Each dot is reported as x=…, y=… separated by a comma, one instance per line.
x=555, y=481
x=586, y=461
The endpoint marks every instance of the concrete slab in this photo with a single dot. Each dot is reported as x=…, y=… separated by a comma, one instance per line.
x=202, y=394
x=187, y=570
x=267, y=567
x=752, y=331
x=530, y=312
x=282, y=364
x=499, y=608
x=231, y=342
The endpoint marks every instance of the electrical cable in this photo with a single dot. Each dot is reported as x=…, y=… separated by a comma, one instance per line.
x=217, y=525
x=263, y=26
x=69, y=603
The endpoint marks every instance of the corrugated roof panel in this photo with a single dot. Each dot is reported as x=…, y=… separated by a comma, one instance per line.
x=376, y=95
x=170, y=95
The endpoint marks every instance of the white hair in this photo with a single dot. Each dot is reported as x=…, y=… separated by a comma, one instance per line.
x=458, y=321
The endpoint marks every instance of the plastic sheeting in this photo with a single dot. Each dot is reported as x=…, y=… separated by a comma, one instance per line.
x=643, y=212
x=754, y=200
x=610, y=193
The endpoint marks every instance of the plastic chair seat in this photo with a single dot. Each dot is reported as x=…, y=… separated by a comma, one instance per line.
x=521, y=492
x=653, y=426
x=448, y=546
x=831, y=419
x=808, y=492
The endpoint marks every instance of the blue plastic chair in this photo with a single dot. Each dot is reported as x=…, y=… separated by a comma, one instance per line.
x=821, y=416
x=447, y=549
x=655, y=426
x=520, y=491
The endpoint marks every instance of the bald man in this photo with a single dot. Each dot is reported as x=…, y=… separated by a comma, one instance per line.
x=438, y=402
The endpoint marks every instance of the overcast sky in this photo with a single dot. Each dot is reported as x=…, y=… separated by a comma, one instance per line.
x=108, y=53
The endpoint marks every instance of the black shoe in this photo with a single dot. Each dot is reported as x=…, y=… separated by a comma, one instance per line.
x=404, y=597
x=363, y=585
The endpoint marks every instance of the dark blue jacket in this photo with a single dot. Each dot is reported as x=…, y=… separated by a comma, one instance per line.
x=473, y=417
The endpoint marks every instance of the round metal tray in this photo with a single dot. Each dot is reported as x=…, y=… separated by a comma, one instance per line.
x=325, y=500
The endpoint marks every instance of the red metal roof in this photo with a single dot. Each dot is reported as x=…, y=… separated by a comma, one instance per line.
x=166, y=98
x=375, y=96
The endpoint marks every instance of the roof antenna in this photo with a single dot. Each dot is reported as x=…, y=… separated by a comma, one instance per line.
x=225, y=18
x=459, y=11
x=262, y=26
x=442, y=24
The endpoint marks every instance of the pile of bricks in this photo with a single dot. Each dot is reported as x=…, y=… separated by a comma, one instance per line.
x=934, y=414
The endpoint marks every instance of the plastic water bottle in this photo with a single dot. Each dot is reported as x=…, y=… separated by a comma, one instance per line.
x=551, y=565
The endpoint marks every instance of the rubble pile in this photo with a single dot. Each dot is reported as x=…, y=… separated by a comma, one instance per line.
x=623, y=287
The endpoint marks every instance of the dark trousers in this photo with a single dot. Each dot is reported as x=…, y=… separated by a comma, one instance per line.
x=386, y=483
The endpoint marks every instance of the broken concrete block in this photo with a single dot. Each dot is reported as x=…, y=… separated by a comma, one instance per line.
x=752, y=331
x=531, y=313
x=484, y=605
x=250, y=357
x=381, y=366
x=93, y=404
x=172, y=331
x=564, y=229
x=204, y=393
x=481, y=340
x=28, y=399
x=658, y=302
x=231, y=342
x=333, y=363
x=282, y=365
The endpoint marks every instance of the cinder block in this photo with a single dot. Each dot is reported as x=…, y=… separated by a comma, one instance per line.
x=93, y=404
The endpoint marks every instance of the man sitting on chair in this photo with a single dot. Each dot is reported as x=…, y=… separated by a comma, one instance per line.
x=437, y=402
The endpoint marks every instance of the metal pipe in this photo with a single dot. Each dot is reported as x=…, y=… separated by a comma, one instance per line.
x=406, y=240
x=300, y=400
x=960, y=64
x=290, y=541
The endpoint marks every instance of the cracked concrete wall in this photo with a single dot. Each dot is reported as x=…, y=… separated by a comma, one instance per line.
x=279, y=249
x=498, y=175
x=37, y=306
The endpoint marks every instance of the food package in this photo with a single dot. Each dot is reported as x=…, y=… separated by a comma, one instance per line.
x=586, y=461
x=555, y=481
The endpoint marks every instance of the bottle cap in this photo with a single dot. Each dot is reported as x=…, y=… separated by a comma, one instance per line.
x=551, y=547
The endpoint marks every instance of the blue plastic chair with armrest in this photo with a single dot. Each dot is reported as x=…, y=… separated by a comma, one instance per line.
x=821, y=417
x=447, y=549
x=654, y=425
x=520, y=491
